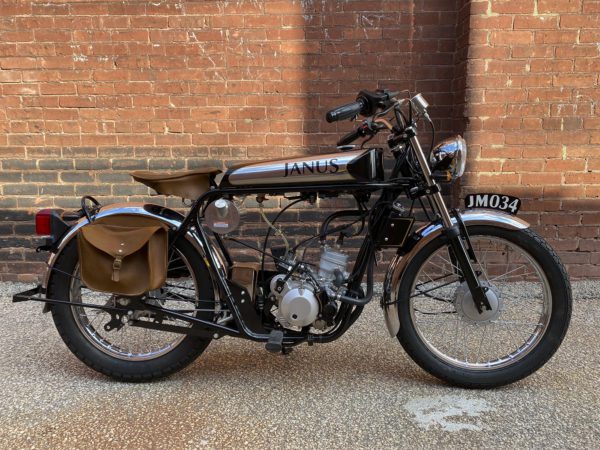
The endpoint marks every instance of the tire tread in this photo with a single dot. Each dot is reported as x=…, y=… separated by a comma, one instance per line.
x=62, y=313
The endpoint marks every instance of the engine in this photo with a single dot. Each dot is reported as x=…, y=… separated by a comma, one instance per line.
x=298, y=304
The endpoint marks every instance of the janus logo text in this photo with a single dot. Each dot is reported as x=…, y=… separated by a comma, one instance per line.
x=311, y=167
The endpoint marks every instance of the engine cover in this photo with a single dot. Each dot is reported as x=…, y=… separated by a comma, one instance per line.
x=298, y=305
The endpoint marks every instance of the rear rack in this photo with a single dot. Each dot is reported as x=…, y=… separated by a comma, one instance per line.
x=37, y=294
x=202, y=328
x=30, y=295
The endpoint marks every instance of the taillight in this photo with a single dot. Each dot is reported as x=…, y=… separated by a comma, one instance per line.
x=43, y=222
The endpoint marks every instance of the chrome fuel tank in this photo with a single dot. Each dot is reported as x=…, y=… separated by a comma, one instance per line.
x=354, y=166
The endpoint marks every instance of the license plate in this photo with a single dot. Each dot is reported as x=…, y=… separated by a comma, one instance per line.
x=500, y=202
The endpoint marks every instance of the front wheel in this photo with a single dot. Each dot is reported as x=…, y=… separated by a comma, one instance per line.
x=530, y=296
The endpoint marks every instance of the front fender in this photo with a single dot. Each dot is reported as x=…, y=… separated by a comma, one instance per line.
x=421, y=238
x=171, y=218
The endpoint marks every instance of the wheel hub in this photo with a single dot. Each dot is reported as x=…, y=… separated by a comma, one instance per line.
x=465, y=306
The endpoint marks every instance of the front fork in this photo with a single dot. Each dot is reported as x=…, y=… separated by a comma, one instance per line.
x=465, y=258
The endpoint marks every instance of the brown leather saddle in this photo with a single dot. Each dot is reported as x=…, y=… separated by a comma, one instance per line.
x=189, y=184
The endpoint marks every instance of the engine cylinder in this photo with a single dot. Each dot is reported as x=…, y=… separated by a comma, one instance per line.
x=330, y=261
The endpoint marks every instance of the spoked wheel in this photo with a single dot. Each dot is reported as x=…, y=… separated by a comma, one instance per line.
x=530, y=297
x=109, y=342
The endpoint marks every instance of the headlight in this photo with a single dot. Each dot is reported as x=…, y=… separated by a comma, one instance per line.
x=450, y=155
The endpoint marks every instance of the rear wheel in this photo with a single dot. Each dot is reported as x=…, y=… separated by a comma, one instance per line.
x=530, y=296
x=108, y=343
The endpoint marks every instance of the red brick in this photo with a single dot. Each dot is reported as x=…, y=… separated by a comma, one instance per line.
x=580, y=21
x=536, y=22
x=505, y=95
x=52, y=35
x=513, y=6
x=563, y=191
x=558, y=6
x=556, y=37
x=501, y=179
x=491, y=22
x=560, y=165
x=576, y=50
x=537, y=179
x=511, y=37
x=554, y=65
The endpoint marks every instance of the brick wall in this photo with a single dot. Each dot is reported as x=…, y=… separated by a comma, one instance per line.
x=92, y=90
x=532, y=92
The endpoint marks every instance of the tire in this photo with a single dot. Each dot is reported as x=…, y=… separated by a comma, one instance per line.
x=85, y=348
x=445, y=360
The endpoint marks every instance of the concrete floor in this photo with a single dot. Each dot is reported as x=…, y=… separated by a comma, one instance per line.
x=361, y=391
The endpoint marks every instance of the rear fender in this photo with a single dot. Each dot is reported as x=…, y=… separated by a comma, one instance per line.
x=167, y=216
x=420, y=239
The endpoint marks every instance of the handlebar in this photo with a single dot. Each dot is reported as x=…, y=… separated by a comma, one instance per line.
x=366, y=104
x=377, y=104
x=346, y=111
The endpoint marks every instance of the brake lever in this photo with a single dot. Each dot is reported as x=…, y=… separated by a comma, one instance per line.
x=385, y=124
x=369, y=128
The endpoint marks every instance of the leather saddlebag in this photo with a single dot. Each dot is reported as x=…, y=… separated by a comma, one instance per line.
x=123, y=258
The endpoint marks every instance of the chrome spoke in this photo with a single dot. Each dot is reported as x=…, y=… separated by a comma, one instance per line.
x=132, y=343
x=183, y=288
x=481, y=343
x=513, y=323
x=433, y=280
x=441, y=268
x=508, y=277
x=456, y=334
x=511, y=271
x=420, y=292
x=464, y=342
x=450, y=263
x=432, y=321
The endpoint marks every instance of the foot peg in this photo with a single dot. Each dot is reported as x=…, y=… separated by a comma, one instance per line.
x=275, y=342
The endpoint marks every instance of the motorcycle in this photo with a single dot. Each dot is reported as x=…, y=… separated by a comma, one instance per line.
x=137, y=291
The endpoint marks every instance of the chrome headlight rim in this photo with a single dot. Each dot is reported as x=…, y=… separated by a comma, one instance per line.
x=450, y=155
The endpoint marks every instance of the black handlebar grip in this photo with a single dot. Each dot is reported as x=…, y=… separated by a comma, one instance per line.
x=350, y=137
x=345, y=111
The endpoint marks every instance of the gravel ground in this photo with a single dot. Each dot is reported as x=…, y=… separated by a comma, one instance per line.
x=361, y=391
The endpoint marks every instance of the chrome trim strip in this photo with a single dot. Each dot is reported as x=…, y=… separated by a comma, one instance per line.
x=373, y=165
x=426, y=234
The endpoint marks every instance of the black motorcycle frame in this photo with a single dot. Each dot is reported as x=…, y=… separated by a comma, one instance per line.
x=404, y=179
